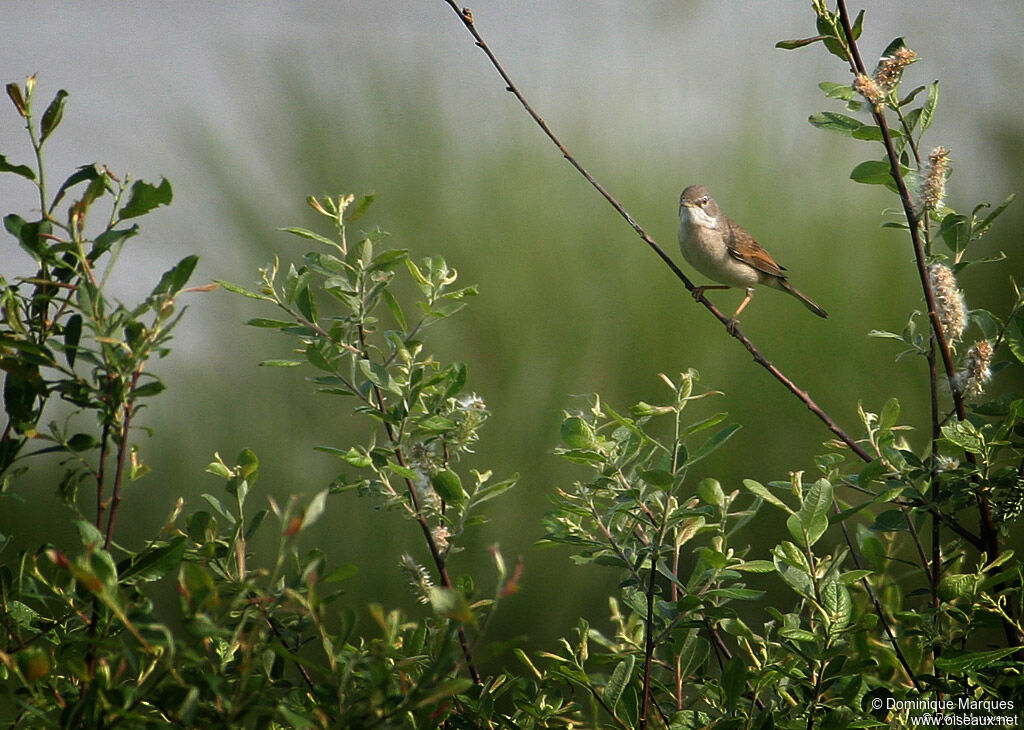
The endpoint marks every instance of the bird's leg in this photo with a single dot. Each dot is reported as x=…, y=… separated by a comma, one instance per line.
x=698, y=291
x=734, y=320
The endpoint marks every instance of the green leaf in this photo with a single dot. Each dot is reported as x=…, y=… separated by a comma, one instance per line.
x=81, y=442
x=739, y=594
x=19, y=399
x=965, y=435
x=376, y=373
x=874, y=134
x=153, y=387
x=144, y=197
x=952, y=661
x=456, y=372
x=72, y=336
x=798, y=43
x=14, y=92
x=174, y=280
x=853, y=576
x=791, y=566
x=762, y=491
x=955, y=230
x=315, y=354
x=280, y=363
x=957, y=585
x=835, y=599
x=928, y=110
x=838, y=91
x=910, y=97
x=1015, y=338
x=798, y=635
x=872, y=172
x=53, y=115
x=23, y=170
x=154, y=563
x=754, y=566
x=355, y=457
x=20, y=613
x=810, y=523
x=306, y=304
x=451, y=603
x=31, y=236
x=310, y=235
x=396, y=310
x=734, y=680
x=268, y=323
x=982, y=227
x=833, y=122
x=315, y=509
x=109, y=238
x=403, y=471
x=418, y=275
x=355, y=212
x=719, y=438
x=858, y=25
x=661, y=478
x=619, y=680
x=577, y=433
x=340, y=573
x=90, y=537
x=448, y=486
x=85, y=173
x=891, y=49
x=236, y=289
x=890, y=414
x=892, y=520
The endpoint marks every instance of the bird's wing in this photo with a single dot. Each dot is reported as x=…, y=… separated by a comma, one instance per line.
x=742, y=246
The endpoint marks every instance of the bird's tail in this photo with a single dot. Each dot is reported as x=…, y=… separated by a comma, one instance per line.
x=808, y=302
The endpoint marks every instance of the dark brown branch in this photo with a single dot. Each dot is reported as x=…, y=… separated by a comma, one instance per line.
x=989, y=533
x=760, y=359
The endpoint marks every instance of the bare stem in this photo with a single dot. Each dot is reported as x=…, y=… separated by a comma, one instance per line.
x=645, y=701
x=123, y=448
x=101, y=474
x=878, y=607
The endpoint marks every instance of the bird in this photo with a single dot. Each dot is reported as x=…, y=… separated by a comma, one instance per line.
x=721, y=250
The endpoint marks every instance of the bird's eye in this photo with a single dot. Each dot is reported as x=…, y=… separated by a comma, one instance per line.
x=704, y=200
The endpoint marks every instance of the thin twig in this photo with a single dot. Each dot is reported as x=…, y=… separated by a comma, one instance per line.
x=122, y=454
x=101, y=474
x=760, y=359
x=878, y=606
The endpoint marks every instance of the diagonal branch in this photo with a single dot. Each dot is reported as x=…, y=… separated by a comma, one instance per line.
x=467, y=19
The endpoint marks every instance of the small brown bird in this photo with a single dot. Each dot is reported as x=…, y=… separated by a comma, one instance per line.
x=718, y=248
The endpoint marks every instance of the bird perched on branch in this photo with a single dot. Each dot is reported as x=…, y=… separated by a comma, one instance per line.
x=720, y=249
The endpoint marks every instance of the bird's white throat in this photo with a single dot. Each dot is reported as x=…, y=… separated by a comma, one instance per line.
x=696, y=216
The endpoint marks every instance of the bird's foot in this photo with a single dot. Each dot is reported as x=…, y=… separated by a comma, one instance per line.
x=731, y=326
x=698, y=291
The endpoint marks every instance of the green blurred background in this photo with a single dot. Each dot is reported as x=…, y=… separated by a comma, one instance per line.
x=249, y=107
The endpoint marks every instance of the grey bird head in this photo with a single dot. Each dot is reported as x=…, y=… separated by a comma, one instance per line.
x=697, y=196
